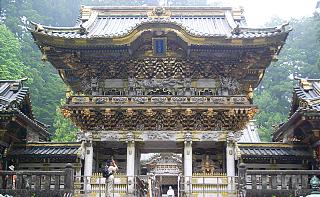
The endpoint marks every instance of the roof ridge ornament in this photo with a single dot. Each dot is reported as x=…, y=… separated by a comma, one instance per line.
x=305, y=84
x=159, y=12
x=83, y=30
x=236, y=30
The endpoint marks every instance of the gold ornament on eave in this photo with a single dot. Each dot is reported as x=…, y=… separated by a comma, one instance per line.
x=66, y=113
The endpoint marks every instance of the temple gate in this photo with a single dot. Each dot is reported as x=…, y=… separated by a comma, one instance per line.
x=161, y=79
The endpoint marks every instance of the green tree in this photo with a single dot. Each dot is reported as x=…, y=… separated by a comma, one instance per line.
x=11, y=66
x=46, y=86
x=65, y=129
x=297, y=59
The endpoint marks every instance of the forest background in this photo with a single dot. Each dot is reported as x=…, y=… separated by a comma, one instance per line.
x=20, y=57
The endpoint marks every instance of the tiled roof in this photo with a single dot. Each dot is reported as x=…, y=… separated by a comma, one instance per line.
x=305, y=102
x=14, y=99
x=273, y=150
x=308, y=93
x=220, y=22
x=48, y=149
x=12, y=93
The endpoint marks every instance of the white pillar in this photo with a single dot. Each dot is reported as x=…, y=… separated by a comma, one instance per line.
x=187, y=156
x=131, y=166
x=88, y=163
x=137, y=161
x=88, y=160
x=230, y=157
x=188, y=159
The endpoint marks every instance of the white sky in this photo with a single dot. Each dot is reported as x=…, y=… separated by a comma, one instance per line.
x=258, y=12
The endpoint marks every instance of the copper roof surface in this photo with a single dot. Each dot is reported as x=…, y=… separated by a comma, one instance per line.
x=273, y=150
x=46, y=149
x=113, y=22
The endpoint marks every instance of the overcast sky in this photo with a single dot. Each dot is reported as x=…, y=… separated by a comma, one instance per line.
x=257, y=12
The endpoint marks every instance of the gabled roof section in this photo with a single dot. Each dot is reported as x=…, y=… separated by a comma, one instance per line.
x=14, y=100
x=12, y=95
x=305, y=103
x=196, y=22
x=306, y=95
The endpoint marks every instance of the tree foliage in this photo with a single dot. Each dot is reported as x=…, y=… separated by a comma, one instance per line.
x=65, y=130
x=297, y=59
x=11, y=66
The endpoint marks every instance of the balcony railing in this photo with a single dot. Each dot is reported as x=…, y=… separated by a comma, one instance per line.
x=275, y=182
x=156, y=100
x=96, y=186
x=208, y=185
x=38, y=183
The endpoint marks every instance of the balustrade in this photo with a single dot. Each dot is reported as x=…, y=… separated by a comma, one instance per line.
x=136, y=100
x=209, y=185
x=98, y=186
x=39, y=183
x=275, y=182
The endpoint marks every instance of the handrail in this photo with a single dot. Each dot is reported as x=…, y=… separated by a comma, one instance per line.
x=208, y=184
x=26, y=183
x=275, y=182
x=283, y=172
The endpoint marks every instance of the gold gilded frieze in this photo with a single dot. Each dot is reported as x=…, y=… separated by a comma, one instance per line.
x=237, y=42
x=259, y=41
x=58, y=41
x=160, y=117
x=80, y=42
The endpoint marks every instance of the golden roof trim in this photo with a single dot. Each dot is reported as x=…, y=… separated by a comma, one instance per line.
x=125, y=40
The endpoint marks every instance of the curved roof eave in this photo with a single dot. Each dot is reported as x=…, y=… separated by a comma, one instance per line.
x=234, y=39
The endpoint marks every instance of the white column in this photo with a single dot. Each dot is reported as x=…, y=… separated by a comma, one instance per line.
x=137, y=161
x=88, y=163
x=130, y=166
x=187, y=156
x=230, y=157
x=88, y=160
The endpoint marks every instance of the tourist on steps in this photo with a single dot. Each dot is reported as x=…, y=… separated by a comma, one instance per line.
x=112, y=168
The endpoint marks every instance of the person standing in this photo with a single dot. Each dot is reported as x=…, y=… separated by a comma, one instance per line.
x=170, y=192
x=112, y=169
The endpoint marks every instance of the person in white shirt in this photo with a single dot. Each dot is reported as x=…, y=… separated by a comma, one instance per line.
x=170, y=192
x=112, y=168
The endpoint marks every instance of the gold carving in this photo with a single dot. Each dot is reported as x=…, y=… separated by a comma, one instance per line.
x=168, y=119
x=259, y=41
x=236, y=41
